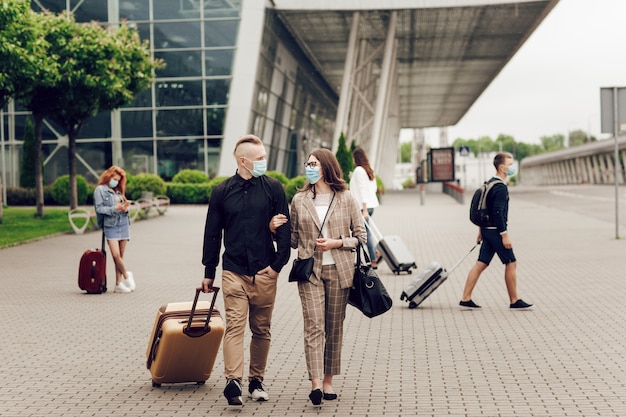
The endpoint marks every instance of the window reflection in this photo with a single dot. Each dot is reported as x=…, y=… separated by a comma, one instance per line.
x=137, y=124
x=178, y=93
x=170, y=9
x=221, y=32
x=179, y=122
x=219, y=62
x=176, y=35
x=180, y=63
x=138, y=157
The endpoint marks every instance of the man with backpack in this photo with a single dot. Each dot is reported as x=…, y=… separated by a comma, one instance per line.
x=495, y=237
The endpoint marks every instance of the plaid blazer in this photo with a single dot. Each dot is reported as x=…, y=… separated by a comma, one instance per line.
x=344, y=221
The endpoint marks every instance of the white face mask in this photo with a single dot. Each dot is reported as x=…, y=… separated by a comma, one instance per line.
x=510, y=171
x=113, y=183
x=258, y=167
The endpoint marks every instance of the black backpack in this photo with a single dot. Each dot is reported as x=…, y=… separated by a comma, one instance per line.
x=479, y=212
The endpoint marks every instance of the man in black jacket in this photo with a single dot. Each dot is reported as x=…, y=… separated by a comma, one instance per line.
x=495, y=238
x=241, y=208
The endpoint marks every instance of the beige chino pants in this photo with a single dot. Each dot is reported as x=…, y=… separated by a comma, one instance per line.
x=247, y=297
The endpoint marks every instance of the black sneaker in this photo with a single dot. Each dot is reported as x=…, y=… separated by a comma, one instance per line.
x=520, y=305
x=469, y=304
x=257, y=391
x=232, y=392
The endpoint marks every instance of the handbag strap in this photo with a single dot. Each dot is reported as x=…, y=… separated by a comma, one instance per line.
x=359, y=249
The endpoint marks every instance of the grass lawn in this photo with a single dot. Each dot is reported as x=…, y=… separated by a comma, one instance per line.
x=19, y=224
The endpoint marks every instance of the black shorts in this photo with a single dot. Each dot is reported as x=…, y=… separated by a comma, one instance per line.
x=492, y=244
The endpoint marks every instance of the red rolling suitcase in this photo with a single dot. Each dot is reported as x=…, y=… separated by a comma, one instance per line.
x=92, y=270
x=185, y=340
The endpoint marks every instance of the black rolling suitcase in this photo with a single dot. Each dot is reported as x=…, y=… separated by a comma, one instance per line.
x=392, y=250
x=427, y=281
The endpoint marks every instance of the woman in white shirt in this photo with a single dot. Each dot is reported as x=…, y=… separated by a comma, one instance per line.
x=363, y=188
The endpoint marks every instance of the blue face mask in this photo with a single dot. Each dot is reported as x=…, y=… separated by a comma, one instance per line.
x=258, y=168
x=312, y=174
x=113, y=183
x=511, y=171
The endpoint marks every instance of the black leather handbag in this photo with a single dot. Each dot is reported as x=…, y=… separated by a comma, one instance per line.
x=368, y=293
x=301, y=269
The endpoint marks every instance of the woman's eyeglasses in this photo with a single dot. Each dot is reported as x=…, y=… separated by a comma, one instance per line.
x=311, y=164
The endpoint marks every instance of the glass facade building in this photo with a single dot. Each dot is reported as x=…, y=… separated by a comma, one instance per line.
x=179, y=123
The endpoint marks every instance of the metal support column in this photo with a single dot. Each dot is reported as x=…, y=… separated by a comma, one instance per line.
x=383, y=90
x=345, y=97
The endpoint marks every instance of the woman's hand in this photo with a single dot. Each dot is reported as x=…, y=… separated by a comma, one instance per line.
x=277, y=221
x=123, y=206
x=324, y=244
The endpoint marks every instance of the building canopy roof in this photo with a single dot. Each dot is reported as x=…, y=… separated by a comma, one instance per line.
x=448, y=51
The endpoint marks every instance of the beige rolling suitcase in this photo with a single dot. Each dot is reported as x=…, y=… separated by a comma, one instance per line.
x=185, y=340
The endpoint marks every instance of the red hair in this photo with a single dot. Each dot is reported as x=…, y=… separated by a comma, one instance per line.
x=109, y=173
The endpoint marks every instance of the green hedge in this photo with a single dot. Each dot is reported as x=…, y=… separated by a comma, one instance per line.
x=179, y=193
x=293, y=185
x=279, y=176
x=19, y=196
x=188, y=193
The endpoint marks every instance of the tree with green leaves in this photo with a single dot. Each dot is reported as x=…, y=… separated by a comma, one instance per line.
x=28, y=179
x=405, y=152
x=101, y=70
x=344, y=156
x=553, y=142
x=579, y=137
x=24, y=64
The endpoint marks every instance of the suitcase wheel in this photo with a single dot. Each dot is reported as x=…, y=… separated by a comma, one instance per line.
x=412, y=304
x=200, y=382
x=155, y=384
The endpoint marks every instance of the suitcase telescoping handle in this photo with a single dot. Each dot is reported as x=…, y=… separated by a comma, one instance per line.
x=463, y=258
x=200, y=331
x=369, y=224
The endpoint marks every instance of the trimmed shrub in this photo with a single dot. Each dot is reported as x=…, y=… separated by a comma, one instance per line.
x=279, y=176
x=294, y=185
x=20, y=196
x=136, y=184
x=60, y=190
x=188, y=193
x=190, y=176
x=214, y=181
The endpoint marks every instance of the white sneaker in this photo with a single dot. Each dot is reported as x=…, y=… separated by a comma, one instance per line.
x=121, y=288
x=129, y=281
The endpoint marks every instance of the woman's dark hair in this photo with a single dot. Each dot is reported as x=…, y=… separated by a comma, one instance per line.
x=331, y=171
x=360, y=160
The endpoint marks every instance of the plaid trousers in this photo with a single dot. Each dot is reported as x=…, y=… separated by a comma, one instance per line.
x=324, y=311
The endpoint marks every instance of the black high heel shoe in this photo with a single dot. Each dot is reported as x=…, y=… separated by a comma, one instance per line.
x=316, y=397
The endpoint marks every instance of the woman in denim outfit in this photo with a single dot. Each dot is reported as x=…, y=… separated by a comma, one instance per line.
x=112, y=212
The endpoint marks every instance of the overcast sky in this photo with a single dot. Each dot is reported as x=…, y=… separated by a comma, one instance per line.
x=552, y=85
